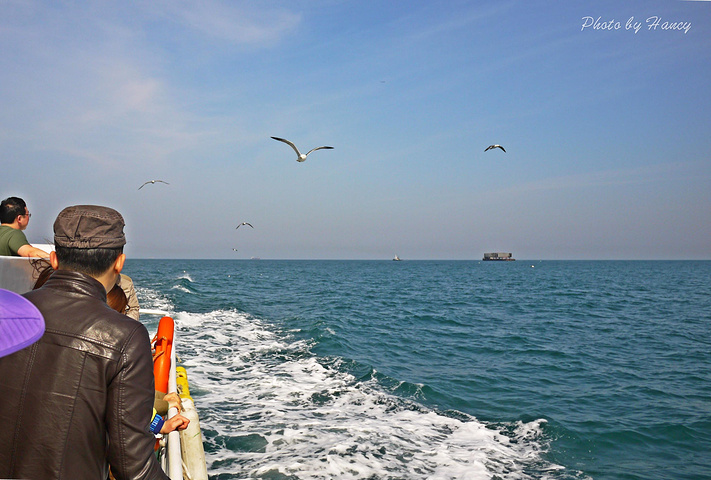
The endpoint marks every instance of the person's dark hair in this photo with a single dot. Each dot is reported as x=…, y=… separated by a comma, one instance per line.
x=10, y=208
x=43, y=269
x=92, y=261
x=116, y=299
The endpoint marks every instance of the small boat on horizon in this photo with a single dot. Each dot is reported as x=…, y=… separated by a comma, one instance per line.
x=498, y=257
x=397, y=259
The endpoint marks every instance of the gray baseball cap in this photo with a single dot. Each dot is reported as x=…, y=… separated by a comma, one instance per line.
x=89, y=226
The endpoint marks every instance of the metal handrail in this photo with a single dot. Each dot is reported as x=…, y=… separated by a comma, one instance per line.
x=173, y=462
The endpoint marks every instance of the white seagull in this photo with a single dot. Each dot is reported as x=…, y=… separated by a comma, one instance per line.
x=152, y=181
x=494, y=146
x=300, y=156
x=243, y=223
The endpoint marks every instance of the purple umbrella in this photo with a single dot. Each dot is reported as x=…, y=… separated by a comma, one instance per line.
x=21, y=324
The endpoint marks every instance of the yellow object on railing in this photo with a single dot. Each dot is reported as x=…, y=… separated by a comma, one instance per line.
x=193, y=452
x=181, y=378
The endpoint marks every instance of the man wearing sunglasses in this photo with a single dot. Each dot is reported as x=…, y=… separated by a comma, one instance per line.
x=14, y=218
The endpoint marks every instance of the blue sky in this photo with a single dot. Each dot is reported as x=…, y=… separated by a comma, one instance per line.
x=607, y=132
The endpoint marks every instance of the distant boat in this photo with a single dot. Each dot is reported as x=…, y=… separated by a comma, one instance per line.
x=498, y=257
x=397, y=259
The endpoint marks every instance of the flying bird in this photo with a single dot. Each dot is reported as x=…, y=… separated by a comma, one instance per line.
x=152, y=181
x=300, y=157
x=243, y=223
x=494, y=146
x=234, y=249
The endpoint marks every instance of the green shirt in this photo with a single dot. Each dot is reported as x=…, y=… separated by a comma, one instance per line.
x=11, y=240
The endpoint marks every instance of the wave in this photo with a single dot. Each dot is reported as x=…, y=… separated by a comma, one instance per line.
x=182, y=289
x=270, y=408
x=185, y=276
x=153, y=300
x=184, y=284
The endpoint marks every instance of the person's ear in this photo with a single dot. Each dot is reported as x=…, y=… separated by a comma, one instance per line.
x=118, y=264
x=53, y=260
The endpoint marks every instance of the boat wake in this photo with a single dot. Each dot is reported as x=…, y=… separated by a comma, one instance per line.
x=270, y=408
x=153, y=301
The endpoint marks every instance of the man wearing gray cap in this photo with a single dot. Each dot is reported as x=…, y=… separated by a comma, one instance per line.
x=80, y=399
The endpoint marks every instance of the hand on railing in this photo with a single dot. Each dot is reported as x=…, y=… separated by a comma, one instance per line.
x=176, y=422
x=174, y=401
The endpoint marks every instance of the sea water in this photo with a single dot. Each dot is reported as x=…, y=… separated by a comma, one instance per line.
x=443, y=369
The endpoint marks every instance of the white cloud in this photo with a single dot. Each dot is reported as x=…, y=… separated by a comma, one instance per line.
x=236, y=22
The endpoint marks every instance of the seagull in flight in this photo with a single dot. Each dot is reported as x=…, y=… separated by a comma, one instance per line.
x=494, y=146
x=300, y=156
x=243, y=223
x=152, y=182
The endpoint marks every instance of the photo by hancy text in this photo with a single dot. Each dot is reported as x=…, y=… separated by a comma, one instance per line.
x=652, y=23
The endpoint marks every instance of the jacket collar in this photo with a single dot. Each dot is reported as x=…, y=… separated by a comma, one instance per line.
x=76, y=282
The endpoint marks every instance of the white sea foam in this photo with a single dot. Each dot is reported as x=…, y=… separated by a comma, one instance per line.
x=185, y=276
x=152, y=299
x=181, y=288
x=268, y=405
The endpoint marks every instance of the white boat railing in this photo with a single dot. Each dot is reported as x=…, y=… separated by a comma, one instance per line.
x=172, y=461
x=16, y=274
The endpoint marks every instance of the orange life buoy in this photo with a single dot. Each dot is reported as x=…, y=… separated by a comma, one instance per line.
x=163, y=347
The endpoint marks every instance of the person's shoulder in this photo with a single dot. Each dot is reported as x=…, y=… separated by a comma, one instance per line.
x=122, y=322
x=106, y=323
x=123, y=330
x=9, y=231
x=88, y=323
x=18, y=236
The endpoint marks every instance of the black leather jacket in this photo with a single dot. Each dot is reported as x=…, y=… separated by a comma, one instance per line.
x=81, y=397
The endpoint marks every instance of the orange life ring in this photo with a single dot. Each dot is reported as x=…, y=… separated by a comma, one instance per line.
x=163, y=347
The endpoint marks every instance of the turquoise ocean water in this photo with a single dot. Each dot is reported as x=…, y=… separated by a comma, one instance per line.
x=443, y=369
